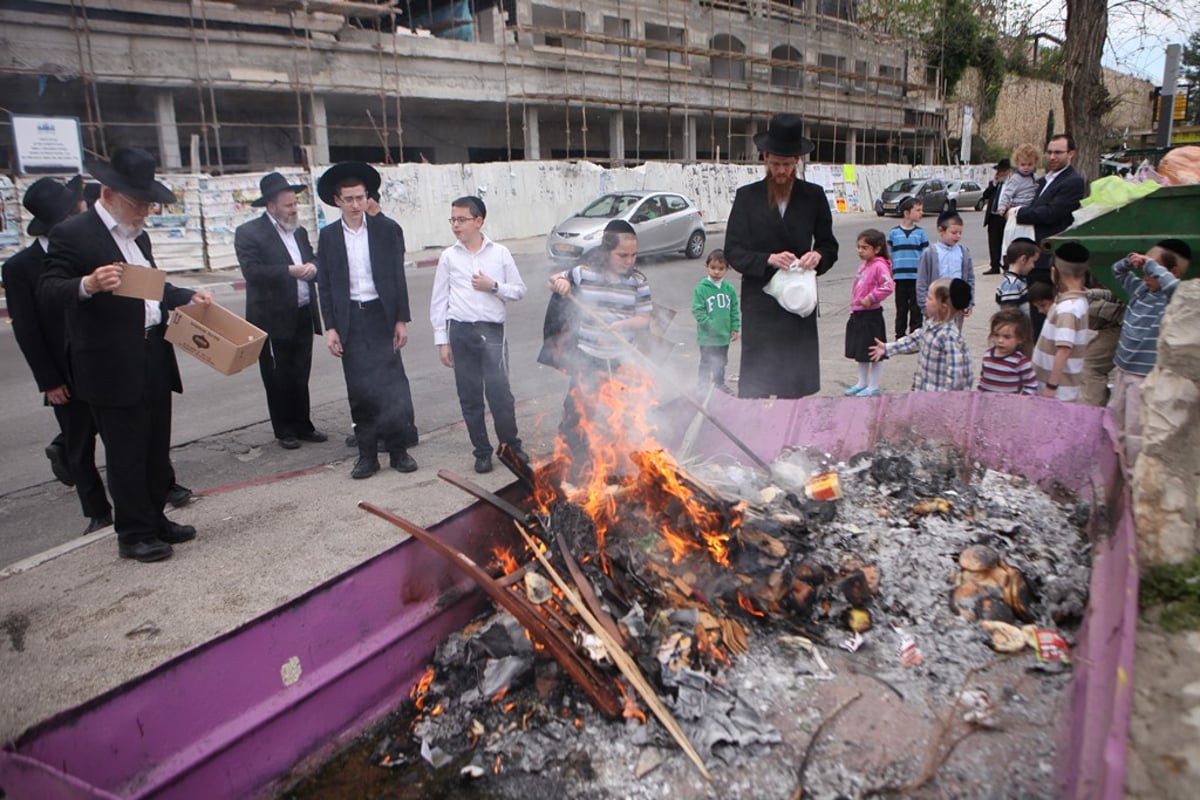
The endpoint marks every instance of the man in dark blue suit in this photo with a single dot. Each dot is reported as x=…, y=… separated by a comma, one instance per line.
x=41, y=335
x=364, y=299
x=120, y=363
x=278, y=264
x=1059, y=192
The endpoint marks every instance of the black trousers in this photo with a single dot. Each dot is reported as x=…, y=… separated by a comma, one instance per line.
x=995, y=236
x=137, y=439
x=376, y=385
x=713, y=360
x=481, y=370
x=285, y=365
x=79, y=443
x=909, y=314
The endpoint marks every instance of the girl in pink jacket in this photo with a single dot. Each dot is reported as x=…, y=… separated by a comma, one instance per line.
x=872, y=285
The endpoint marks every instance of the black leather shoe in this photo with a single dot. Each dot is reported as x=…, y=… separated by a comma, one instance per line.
x=313, y=436
x=179, y=496
x=401, y=461
x=289, y=443
x=98, y=523
x=364, y=468
x=990, y=272
x=174, y=533
x=521, y=456
x=58, y=464
x=146, y=551
x=483, y=464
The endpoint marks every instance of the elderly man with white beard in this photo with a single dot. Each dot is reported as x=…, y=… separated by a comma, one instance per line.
x=281, y=298
x=120, y=363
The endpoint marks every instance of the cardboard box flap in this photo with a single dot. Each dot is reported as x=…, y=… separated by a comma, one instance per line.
x=145, y=283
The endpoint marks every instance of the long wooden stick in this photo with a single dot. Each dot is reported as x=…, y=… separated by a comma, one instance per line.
x=652, y=368
x=627, y=665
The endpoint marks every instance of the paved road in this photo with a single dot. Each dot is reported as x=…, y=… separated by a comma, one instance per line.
x=220, y=433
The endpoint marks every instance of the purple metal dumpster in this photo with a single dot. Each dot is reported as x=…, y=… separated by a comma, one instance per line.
x=245, y=714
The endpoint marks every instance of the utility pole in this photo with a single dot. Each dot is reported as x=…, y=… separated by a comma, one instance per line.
x=1166, y=103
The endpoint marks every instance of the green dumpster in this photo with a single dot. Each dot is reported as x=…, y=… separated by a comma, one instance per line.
x=1172, y=212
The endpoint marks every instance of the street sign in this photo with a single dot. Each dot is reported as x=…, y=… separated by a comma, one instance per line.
x=47, y=144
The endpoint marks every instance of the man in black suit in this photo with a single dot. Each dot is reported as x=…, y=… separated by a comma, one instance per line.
x=364, y=299
x=781, y=223
x=1059, y=192
x=993, y=222
x=278, y=264
x=119, y=362
x=41, y=335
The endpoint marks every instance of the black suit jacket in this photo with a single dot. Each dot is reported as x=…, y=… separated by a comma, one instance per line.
x=41, y=336
x=271, y=291
x=106, y=349
x=1050, y=212
x=386, y=241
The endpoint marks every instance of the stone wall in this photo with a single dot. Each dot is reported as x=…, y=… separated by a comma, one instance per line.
x=1166, y=507
x=1025, y=104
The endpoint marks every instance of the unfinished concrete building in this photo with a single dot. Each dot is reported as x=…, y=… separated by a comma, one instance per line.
x=249, y=84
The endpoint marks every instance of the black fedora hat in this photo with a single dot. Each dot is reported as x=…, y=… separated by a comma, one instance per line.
x=1003, y=165
x=272, y=184
x=131, y=172
x=51, y=202
x=784, y=137
x=328, y=183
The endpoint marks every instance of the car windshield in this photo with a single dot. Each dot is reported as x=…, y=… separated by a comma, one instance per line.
x=609, y=206
x=906, y=185
x=952, y=185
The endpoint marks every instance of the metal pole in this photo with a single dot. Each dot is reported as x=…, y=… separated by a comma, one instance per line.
x=1166, y=103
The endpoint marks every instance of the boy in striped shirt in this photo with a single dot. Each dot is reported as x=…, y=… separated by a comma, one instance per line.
x=1058, y=357
x=1137, y=350
x=1006, y=368
x=906, y=242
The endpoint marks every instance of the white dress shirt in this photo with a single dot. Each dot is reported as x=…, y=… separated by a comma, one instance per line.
x=1050, y=176
x=289, y=241
x=358, y=258
x=453, y=296
x=133, y=255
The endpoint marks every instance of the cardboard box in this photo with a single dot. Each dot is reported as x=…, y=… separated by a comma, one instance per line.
x=216, y=336
x=145, y=283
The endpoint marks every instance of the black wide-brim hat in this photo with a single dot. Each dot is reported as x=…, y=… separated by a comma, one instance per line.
x=271, y=185
x=1003, y=165
x=328, y=183
x=131, y=172
x=784, y=136
x=50, y=202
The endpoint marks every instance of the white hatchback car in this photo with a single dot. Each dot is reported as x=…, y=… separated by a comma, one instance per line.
x=665, y=222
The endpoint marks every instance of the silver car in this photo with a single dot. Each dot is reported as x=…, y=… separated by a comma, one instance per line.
x=666, y=222
x=964, y=194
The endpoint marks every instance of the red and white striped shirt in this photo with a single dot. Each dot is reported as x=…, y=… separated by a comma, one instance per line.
x=1010, y=374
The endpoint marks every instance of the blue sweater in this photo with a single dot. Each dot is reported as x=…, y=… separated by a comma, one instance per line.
x=905, y=249
x=1137, y=349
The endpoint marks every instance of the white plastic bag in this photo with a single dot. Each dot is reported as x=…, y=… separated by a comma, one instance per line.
x=795, y=290
x=1013, y=230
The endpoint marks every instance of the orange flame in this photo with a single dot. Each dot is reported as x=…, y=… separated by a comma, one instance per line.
x=748, y=606
x=436, y=710
x=505, y=560
x=631, y=710
x=706, y=645
x=498, y=696
x=496, y=764
x=417, y=693
x=507, y=707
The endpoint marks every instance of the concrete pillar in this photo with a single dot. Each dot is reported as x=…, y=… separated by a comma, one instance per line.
x=616, y=138
x=168, y=131
x=749, y=151
x=319, y=125
x=852, y=146
x=689, y=138
x=533, y=145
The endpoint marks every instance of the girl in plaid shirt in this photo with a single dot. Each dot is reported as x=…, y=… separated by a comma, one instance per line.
x=943, y=363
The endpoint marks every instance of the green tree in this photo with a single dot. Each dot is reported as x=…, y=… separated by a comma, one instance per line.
x=1191, y=75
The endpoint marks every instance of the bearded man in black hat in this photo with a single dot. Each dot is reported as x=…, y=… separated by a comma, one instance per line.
x=278, y=264
x=364, y=299
x=779, y=223
x=120, y=364
x=40, y=335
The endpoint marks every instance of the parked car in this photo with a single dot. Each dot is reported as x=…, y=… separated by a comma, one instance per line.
x=965, y=194
x=666, y=222
x=931, y=191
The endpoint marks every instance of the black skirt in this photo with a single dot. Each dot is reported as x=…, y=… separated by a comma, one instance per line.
x=862, y=329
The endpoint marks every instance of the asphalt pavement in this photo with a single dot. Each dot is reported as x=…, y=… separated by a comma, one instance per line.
x=272, y=523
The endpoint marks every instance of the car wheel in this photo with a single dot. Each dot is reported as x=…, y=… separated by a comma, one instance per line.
x=695, y=245
x=979, y=204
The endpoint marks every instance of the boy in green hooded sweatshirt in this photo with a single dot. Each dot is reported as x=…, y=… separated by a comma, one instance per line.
x=718, y=320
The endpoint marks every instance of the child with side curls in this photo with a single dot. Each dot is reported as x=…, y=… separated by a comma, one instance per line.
x=943, y=363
